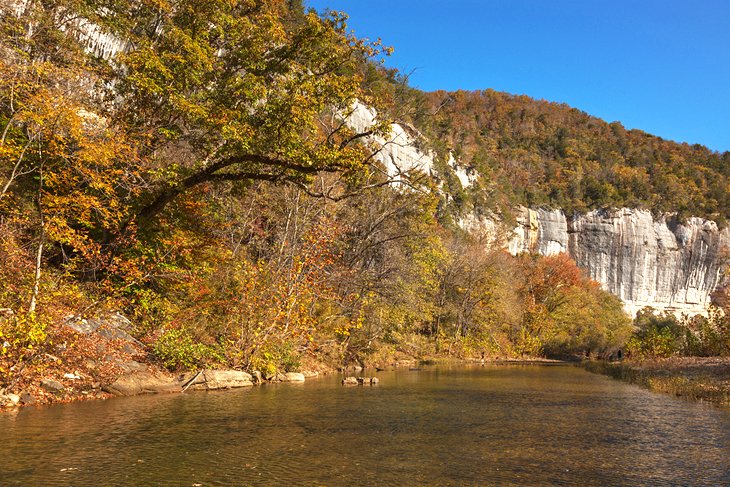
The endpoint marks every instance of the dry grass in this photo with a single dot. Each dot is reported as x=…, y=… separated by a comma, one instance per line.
x=698, y=378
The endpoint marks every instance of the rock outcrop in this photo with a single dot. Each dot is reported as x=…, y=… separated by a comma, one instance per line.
x=665, y=263
x=212, y=379
x=142, y=382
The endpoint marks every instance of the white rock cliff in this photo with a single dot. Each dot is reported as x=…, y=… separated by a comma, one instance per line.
x=665, y=263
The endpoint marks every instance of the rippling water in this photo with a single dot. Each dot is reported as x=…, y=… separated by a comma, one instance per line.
x=494, y=425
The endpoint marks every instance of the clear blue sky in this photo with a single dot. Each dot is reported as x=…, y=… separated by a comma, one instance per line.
x=662, y=66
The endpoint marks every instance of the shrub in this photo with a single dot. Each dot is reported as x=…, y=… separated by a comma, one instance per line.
x=657, y=335
x=178, y=350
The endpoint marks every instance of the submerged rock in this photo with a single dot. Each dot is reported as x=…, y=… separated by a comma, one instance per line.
x=363, y=381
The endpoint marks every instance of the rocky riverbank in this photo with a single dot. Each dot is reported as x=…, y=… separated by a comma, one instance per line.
x=99, y=358
x=698, y=378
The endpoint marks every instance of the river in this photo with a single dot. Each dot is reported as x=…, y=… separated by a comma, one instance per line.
x=441, y=425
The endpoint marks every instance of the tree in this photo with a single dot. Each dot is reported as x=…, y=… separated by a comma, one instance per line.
x=251, y=90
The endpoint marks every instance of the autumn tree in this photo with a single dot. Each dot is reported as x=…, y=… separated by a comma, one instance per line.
x=250, y=90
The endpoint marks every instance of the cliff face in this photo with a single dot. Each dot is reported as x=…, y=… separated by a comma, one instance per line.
x=664, y=263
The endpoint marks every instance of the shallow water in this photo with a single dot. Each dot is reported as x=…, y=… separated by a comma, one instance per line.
x=493, y=425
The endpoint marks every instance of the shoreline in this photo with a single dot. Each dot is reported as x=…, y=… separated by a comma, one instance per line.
x=141, y=378
x=705, y=379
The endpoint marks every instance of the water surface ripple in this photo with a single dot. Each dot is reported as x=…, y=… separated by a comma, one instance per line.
x=493, y=425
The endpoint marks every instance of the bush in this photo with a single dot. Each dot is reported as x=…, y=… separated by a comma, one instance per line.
x=272, y=358
x=657, y=335
x=178, y=350
x=22, y=337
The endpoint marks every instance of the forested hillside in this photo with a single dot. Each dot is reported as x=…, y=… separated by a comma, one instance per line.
x=536, y=153
x=203, y=181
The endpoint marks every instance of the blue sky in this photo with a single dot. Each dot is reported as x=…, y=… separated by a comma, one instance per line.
x=662, y=66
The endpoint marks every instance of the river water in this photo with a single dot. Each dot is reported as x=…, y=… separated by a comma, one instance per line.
x=493, y=425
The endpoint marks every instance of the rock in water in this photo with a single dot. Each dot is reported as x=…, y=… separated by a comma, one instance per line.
x=141, y=382
x=294, y=377
x=212, y=379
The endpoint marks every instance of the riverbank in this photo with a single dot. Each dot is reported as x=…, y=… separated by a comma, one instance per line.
x=99, y=358
x=697, y=378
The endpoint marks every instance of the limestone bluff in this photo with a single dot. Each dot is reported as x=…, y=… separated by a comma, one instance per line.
x=668, y=264
x=665, y=263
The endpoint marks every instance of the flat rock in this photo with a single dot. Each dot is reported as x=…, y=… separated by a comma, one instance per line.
x=294, y=377
x=141, y=382
x=212, y=379
x=308, y=374
x=81, y=325
x=112, y=326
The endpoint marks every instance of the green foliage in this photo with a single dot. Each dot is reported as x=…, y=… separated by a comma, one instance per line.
x=22, y=338
x=657, y=335
x=178, y=350
x=275, y=357
x=22, y=333
x=663, y=335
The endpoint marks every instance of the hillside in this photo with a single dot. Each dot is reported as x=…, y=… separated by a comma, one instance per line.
x=541, y=154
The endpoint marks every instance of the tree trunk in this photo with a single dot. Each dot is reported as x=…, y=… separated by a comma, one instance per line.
x=39, y=251
x=37, y=278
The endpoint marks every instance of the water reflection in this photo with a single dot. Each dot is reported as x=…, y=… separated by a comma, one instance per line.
x=504, y=425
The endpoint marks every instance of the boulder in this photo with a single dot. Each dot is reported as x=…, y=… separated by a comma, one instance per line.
x=275, y=377
x=349, y=381
x=294, y=377
x=52, y=386
x=374, y=381
x=212, y=379
x=141, y=382
x=27, y=398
